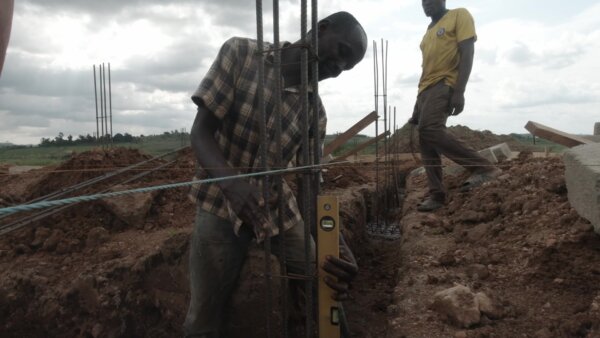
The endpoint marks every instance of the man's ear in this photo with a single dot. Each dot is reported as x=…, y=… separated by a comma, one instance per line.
x=324, y=25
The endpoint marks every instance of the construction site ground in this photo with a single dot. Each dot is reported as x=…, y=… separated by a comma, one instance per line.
x=98, y=270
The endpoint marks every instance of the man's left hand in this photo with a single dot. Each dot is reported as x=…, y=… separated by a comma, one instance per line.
x=343, y=269
x=457, y=103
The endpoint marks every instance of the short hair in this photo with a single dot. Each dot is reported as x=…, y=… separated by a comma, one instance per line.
x=343, y=20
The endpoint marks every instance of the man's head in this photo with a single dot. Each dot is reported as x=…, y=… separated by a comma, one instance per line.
x=434, y=8
x=342, y=44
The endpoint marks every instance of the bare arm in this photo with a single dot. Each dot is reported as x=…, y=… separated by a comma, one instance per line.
x=245, y=199
x=6, y=14
x=466, y=49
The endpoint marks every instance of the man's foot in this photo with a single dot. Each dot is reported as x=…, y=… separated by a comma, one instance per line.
x=479, y=178
x=429, y=204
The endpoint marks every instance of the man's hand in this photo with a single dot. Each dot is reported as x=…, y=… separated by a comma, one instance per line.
x=457, y=103
x=249, y=205
x=344, y=269
x=414, y=119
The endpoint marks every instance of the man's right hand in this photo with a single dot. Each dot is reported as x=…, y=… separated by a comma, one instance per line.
x=248, y=203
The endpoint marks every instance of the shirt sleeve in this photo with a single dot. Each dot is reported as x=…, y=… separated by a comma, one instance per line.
x=217, y=90
x=322, y=130
x=465, y=25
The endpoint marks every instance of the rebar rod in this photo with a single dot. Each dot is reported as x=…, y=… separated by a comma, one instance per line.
x=279, y=164
x=315, y=109
x=306, y=161
x=105, y=105
x=96, y=100
x=101, y=104
x=376, y=89
x=263, y=161
x=110, y=103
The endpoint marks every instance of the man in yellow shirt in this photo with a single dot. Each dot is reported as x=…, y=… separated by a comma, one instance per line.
x=448, y=48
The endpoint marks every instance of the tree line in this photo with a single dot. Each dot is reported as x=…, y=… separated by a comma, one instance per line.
x=62, y=140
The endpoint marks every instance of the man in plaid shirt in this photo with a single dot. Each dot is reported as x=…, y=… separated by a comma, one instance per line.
x=225, y=140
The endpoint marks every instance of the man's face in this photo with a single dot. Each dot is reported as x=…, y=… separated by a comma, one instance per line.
x=340, y=51
x=433, y=7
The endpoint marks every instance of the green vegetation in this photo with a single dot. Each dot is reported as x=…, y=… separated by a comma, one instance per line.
x=539, y=144
x=55, y=153
x=60, y=149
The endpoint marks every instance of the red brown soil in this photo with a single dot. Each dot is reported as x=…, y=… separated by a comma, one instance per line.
x=65, y=276
x=474, y=138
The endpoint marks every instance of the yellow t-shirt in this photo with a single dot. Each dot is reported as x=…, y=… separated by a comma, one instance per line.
x=440, y=47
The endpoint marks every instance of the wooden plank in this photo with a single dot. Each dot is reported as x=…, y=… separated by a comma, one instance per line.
x=554, y=135
x=348, y=134
x=361, y=146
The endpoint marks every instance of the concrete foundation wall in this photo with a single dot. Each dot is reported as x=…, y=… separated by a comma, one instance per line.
x=582, y=175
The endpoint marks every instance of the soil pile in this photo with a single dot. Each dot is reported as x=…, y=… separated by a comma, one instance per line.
x=84, y=166
x=474, y=138
x=518, y=241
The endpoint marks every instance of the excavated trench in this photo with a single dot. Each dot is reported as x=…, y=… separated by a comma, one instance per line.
x=128, y=282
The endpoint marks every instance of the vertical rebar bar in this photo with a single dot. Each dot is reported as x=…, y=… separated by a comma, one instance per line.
x=263, y=160
x=101, y=105
x=96, y=100
x=280, y=165
x=306, y=201
x=315, y=107
x=376, y=89
x=110, y=104
x=105, y=105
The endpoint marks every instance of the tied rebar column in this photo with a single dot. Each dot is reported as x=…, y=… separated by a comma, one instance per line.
x=306, y=200
x=280, y=165
x=96, y=100
x=263, y=162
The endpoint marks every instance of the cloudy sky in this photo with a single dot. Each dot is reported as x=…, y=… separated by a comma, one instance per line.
x=535, y=60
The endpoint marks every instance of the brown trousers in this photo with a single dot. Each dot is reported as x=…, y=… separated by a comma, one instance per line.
x=432, y=110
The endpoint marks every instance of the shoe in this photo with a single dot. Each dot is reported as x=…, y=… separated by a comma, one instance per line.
x=429, y=204
x=477, y=179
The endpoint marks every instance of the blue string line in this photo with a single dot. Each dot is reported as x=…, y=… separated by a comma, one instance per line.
x=88, y=198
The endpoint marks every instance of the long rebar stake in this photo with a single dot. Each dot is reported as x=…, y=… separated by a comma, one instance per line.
x=110, y=104
x=101, y=105
x=105, y=104
x=96, y=100
x=316, y=130
x=263, y=161
x=279, y=161
x=306, y=161
x=376, y=89
x=385, y=130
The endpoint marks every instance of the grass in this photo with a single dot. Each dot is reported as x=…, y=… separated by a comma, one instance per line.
x=42, y=156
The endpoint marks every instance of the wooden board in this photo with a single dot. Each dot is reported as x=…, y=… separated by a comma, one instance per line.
x=348, y=134
x=556, y=136
x=361, y=146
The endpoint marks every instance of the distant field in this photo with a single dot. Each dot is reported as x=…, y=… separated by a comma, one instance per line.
x=40, y=156
x=159, y=144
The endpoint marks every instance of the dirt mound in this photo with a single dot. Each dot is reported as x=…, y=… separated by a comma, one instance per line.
x=87, y=272
x=474, y=138
x=516, y=239
x=84, y=166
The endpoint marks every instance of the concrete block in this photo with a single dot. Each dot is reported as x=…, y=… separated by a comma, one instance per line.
x=497, y=154
x=582, y=175
x=597, y=129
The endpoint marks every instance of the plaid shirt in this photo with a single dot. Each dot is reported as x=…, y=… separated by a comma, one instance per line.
x=229, y=91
